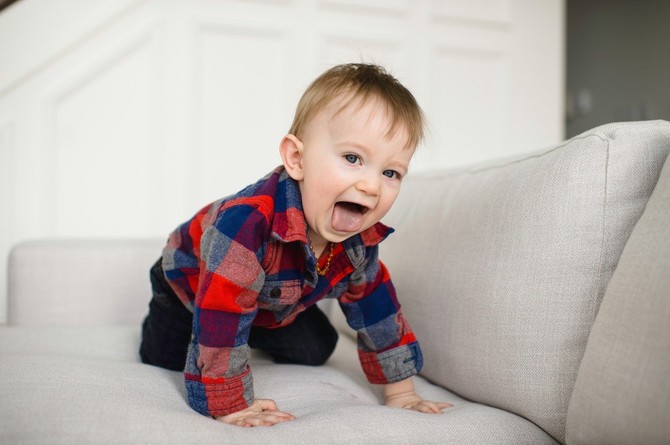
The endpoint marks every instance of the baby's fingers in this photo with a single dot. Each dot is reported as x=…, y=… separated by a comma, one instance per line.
x=264, y=404
x=428, y=407
x=276, y=416
x=269, y=418
x=443, y=405
x=424, y=408
x=264, y=419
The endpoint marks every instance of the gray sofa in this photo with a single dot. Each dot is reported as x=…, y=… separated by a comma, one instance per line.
x=538, y=287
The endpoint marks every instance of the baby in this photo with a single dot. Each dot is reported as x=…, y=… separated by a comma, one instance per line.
x=247, y=270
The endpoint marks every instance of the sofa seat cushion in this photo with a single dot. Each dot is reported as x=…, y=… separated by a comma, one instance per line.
x=73, y=386
x=501, y=268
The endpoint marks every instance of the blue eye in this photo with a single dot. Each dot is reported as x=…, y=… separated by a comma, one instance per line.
x=392, y=174
x=351, y=158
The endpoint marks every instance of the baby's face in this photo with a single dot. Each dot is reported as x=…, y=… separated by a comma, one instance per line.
x=353, y=169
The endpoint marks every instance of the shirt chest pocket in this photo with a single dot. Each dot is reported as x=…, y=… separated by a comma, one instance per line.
x=280, y=292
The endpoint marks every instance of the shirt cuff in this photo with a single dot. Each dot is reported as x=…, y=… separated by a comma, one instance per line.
x=392, y=365
x=220, y=396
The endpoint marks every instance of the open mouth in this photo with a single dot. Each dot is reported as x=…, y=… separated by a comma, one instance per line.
x=348, y=216
x=353, y=207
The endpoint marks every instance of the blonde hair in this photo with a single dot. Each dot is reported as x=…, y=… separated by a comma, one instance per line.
x=361, y=81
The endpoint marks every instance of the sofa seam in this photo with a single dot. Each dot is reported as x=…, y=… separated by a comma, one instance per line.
x=601, y=291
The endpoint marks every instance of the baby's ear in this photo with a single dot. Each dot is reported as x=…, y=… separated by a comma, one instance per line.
x=291, y=151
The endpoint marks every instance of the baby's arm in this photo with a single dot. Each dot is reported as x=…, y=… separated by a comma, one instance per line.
x=402, y=395
x=262, y=412
x=229, y=277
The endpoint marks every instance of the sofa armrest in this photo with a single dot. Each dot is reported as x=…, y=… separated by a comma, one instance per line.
x=80, y=282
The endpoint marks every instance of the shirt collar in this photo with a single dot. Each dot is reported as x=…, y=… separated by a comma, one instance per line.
x=289, y=223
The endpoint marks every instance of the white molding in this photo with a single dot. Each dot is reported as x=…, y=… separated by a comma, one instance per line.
x=60, y=90
x=8, y=191
x=478, y=13
x=257, y=28
x=374, y=7
x=236, y=146
x=367, y=46
x=476, y=51
x=94, y=67
x=7, y=174
x=45, y=28
x=459, y=141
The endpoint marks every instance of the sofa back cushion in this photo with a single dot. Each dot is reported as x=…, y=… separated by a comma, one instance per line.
x=622, y=392
x=501, y=268
x=80, y=283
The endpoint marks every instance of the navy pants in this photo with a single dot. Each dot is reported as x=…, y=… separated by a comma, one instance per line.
x=166, y=332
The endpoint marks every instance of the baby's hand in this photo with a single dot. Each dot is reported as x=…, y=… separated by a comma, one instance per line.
x=263, y=412
x=416, y=403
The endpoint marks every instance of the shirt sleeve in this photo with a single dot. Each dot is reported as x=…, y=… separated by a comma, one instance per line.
x=387, y=348
x=228, y=245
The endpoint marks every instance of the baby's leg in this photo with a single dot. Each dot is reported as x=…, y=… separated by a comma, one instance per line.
x=309, y=340
x=166, y=331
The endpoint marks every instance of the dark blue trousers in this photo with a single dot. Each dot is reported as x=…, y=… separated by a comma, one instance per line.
x=166, y=332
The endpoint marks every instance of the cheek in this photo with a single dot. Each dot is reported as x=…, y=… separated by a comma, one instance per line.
x=319, y=189
x=327, y=180
x=316, y=196
x=388, y=199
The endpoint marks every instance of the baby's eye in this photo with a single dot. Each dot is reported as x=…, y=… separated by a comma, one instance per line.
x=392, y=174
x=351, y=158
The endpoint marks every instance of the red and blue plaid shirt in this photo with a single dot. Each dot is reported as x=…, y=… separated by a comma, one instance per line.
x=245, y=260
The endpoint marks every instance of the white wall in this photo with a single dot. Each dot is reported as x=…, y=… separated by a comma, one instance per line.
x=120, y=118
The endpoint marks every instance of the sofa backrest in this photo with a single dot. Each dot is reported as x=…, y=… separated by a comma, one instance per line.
x=622, y=392
x=80, y=282
x=501, y=268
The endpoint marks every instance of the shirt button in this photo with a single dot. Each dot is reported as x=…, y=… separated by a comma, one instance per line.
x=275, y=293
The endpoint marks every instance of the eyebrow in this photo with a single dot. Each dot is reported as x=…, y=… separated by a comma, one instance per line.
x=357, y=145
x=400, y=166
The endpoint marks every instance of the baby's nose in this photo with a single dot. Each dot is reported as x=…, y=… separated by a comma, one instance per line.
x=369, y=184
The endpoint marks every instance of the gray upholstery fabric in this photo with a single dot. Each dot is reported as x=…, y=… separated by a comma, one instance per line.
x=71, y=386
x=622, y=393
x=106, y=283
x=501, y=268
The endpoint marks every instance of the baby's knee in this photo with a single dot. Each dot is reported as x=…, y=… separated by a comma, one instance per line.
x=320, y=355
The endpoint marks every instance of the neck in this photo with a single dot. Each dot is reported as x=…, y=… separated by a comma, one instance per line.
x=317, y=244
x=318, y=249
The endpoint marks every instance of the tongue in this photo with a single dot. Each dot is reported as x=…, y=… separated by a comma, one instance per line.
x=347, y=217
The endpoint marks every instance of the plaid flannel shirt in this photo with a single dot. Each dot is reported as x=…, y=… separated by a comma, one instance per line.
x=245, y=260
